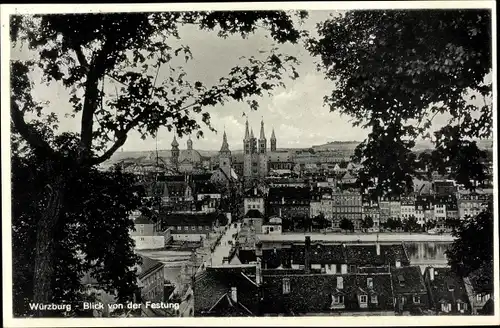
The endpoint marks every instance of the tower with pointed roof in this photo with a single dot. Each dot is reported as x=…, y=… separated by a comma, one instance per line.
x=255, y=160
x=225, y=156
x=175, y=153
x=263, y=159
x=273, y=141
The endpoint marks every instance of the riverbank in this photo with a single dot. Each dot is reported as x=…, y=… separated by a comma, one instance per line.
x=356, y=237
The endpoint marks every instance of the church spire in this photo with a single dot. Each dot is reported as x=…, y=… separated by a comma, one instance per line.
x=225, y=145
x=273, y=141
x=247, y=134
x=262, y=134
x=251, y=134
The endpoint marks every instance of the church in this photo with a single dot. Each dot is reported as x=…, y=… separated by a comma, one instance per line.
x=255, y=154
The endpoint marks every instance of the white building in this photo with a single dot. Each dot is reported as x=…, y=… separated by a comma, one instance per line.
x=254, y=200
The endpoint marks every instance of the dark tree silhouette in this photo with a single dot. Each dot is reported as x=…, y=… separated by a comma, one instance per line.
x=109, y=63
x=346, y=224
x=394, y=71
x=472, y=250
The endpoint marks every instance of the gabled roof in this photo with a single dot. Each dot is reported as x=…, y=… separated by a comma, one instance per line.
x=148, y=265
x=312, y=293
x=254, y=214
x=212, y=287
x=413, y=281
x=142, y=219
x=446, y=287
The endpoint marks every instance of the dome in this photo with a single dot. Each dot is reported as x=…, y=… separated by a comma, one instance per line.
x=175, y=143
x=189, y=155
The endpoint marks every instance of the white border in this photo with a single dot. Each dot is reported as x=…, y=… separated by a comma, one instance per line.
x=274, y=321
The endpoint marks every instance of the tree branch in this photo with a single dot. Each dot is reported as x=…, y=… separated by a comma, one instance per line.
x=81, y=57
x=120, y=141
x=31, y=136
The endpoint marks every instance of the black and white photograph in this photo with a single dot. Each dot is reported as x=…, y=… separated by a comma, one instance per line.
x=245, y=160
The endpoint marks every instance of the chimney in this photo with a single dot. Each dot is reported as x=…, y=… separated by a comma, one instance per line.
x=307, y=255
x=377, y=246
x=234, y=294
x=258, y=273
x=431, y=273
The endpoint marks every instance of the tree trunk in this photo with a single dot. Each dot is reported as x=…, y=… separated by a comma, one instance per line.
x=44, y=252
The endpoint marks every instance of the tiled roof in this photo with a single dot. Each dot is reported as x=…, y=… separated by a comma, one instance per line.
x=367, y=255
x=142, y=219
x=211, y=286
x=320, y=254
x=253, y=192
x=312, y=293
x=412, y=282
x=148, y=265
x=253, y=214
x=446, y=287
x=183, y=219
x=205, y=187
x=276, y=194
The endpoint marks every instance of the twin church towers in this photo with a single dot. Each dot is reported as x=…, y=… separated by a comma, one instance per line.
x=255, y=157
x=255, y=154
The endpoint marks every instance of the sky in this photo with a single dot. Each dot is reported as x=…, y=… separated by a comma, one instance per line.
x=296, y=113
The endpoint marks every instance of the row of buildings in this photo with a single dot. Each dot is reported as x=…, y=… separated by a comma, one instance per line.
x=315, y=278
x=440, y=204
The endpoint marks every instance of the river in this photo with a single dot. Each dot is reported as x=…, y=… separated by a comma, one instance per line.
x=427, y=253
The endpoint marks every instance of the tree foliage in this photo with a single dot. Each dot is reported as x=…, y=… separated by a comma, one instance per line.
x=472, y=250
x=109, y=64
x=95, y=213
x=392, y=224
x=346, y=224
x=368, y=222
x=411, y=225
x=394, y=72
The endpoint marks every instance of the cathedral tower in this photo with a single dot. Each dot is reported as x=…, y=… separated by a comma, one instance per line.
x=273, y=141
x=175, y=153
x=262, y=157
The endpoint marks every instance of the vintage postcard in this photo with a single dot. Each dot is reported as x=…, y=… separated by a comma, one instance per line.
x=296, y=163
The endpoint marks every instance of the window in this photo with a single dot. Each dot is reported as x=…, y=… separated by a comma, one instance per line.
x=352, y=268
x=186, y=228
x=193, y=228
x=369, y=282
x=478, y=297
x=286, y=286
x=374, y=299
x=338, y=299
x=340, y=282
x=416, y=299
x=462, y=306
x=363, y=299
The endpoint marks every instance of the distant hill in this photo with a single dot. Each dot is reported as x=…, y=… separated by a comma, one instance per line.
x=333, y=145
